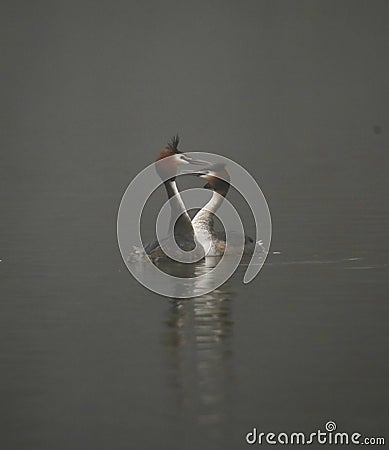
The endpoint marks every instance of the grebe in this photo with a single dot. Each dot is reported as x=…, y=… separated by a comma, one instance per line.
x=203, y=223
x=182, y=229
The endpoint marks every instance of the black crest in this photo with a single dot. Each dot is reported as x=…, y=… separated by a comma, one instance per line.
x=173, y=144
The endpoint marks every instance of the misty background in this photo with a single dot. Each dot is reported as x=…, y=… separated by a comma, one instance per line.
x=297, y=93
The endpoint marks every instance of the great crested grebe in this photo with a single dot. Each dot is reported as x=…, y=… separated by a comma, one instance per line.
x=182, y=229
x=213, y=241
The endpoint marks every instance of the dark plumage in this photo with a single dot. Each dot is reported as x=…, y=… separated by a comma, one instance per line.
x=173, y=144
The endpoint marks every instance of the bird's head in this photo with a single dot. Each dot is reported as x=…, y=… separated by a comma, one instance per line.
x=217, y=178
x=171, y=158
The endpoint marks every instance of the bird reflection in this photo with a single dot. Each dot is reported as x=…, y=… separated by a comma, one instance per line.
x=198, y=339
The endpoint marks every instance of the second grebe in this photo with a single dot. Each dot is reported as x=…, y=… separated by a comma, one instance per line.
x=213, y=241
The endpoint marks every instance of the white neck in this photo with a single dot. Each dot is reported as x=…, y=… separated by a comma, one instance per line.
x=203, y=222
x=183, y=224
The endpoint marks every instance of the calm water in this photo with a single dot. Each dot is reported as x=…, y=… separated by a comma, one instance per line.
x=90, y=359
x=296, y=92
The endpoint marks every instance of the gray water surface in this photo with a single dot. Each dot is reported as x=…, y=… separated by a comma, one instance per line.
x=90, y=359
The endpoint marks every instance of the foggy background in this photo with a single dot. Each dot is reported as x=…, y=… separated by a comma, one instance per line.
x=297, y=93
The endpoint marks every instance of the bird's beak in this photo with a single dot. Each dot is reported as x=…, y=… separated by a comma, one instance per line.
x=201, y=173
x=188, y=160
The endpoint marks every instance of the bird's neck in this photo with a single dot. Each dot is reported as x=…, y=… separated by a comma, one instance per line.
x=203, y=223
x=206, y=213
x=183, y=225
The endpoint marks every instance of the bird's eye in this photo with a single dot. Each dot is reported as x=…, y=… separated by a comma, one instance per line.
x=185, y=158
